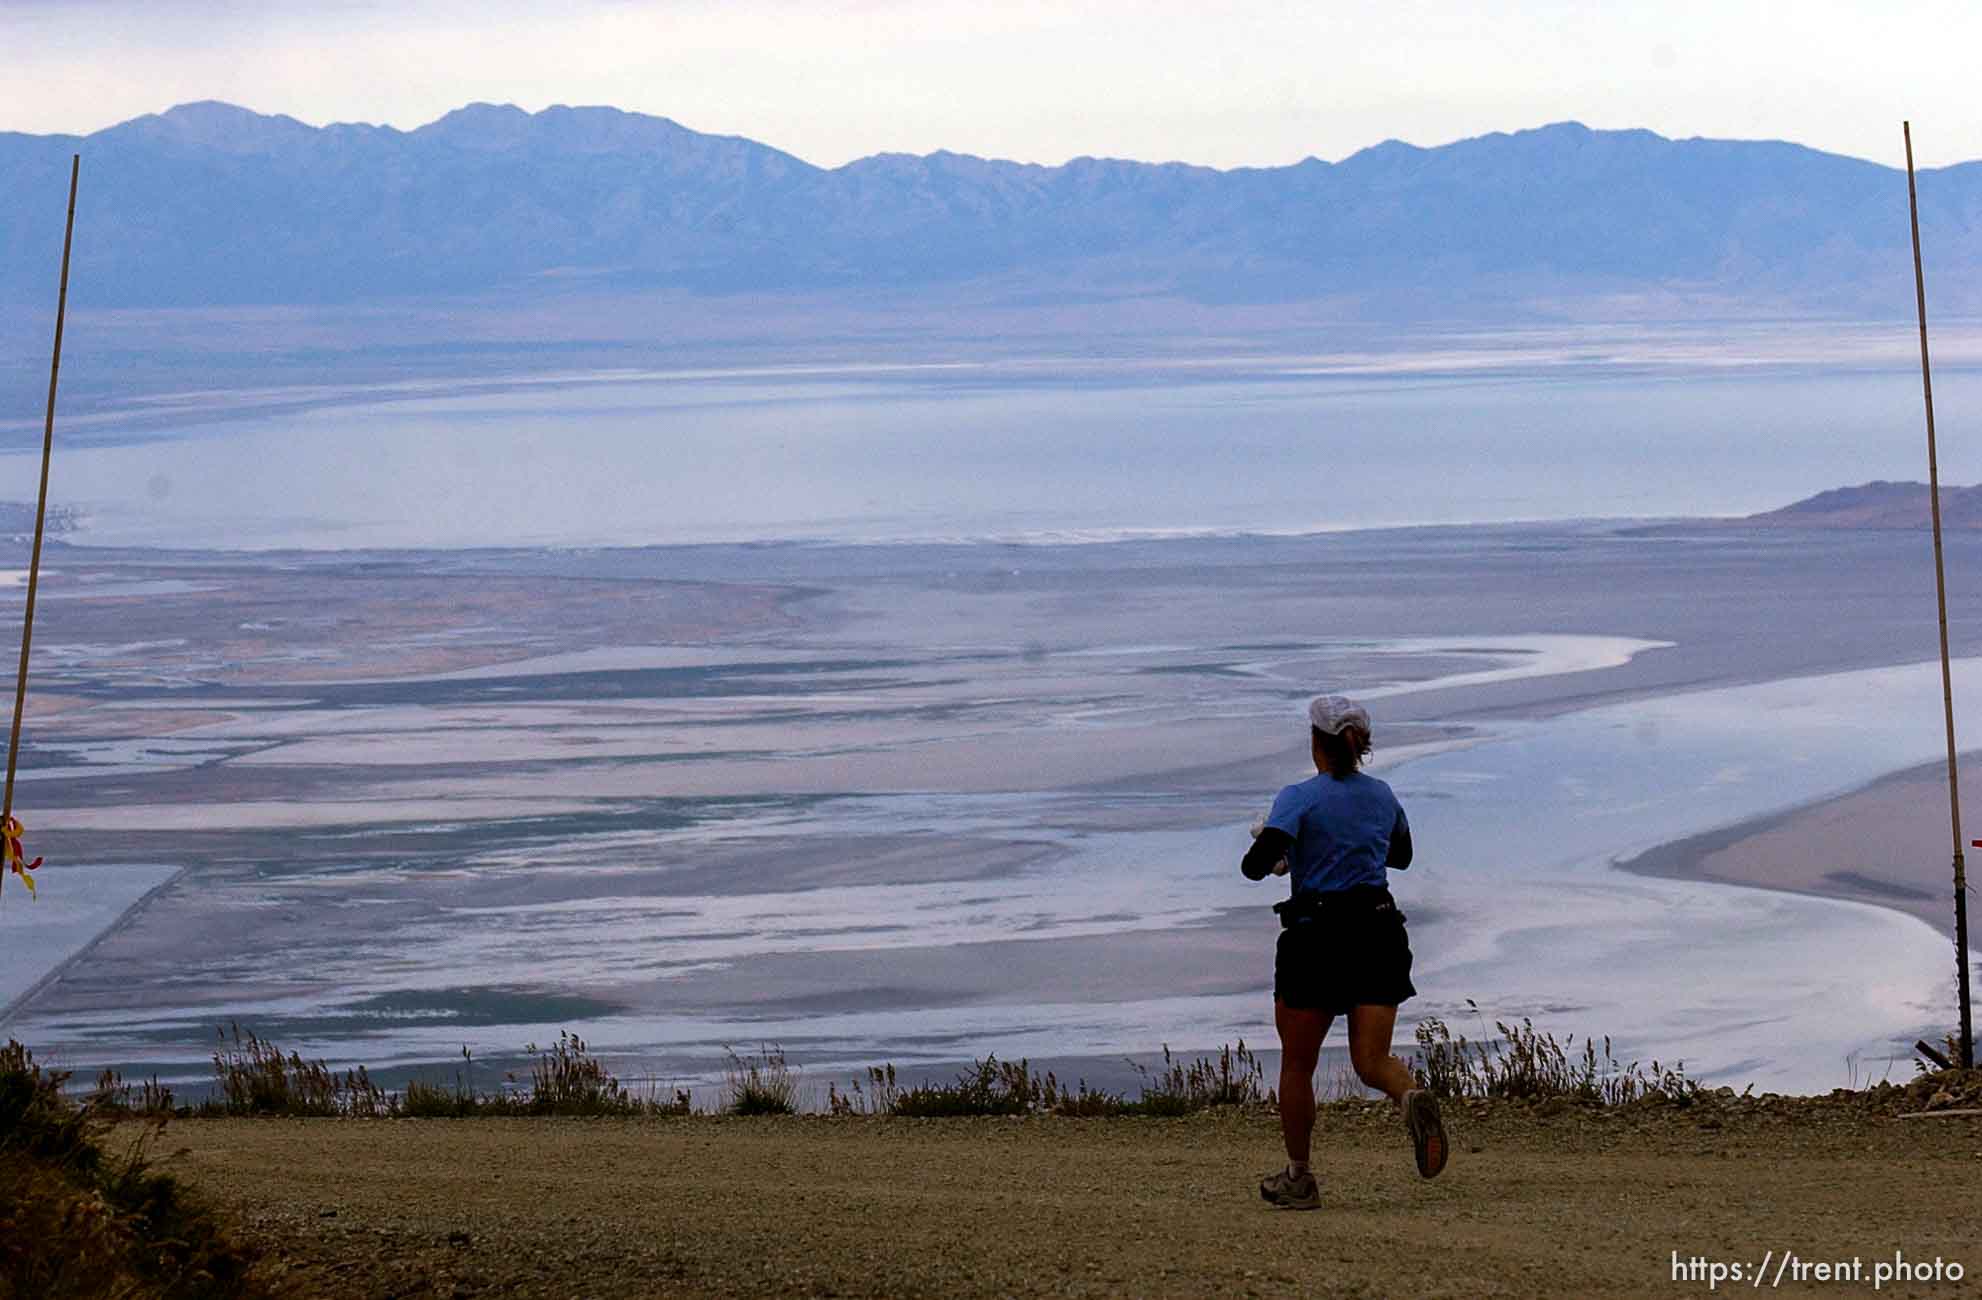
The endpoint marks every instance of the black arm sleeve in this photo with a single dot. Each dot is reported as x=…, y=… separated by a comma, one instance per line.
x=1400, y=844
x=1271, y=846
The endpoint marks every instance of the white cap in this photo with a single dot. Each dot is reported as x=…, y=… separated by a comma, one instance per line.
x=1331, y=713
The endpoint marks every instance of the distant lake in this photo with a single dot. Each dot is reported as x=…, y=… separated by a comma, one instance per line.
x=1007, y=452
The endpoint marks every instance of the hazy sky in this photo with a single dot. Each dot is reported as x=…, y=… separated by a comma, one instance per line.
x=1253, y=82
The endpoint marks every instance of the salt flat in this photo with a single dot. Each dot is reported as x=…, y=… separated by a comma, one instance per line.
x=920, y=803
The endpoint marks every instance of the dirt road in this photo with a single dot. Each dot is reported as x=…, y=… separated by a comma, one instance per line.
x=1573, y=1203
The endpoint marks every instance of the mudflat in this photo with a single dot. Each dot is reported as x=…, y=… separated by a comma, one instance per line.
x=1635, y=1200
x=1885, y=843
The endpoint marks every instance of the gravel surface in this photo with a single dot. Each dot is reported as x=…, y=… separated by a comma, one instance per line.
x=1539, y=1200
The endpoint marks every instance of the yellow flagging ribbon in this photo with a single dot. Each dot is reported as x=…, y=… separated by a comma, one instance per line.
x=15, y=855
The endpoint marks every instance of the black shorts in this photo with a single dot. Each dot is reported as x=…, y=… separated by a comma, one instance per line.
x=1351, y=951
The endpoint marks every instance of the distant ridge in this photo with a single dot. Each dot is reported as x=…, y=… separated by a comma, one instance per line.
x=212, y=204
x=1879, y=504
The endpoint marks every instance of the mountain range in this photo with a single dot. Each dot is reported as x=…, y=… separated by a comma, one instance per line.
x=210, y=204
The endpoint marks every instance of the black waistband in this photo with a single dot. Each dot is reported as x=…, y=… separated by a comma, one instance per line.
x=1354, y=901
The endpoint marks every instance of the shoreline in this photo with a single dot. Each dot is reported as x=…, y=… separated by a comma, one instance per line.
x=19, y=1002
x=1884, y=843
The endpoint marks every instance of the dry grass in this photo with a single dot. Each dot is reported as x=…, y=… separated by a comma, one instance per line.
x=77, y=1219
x=1232, y=1078
x=147, y=1100
x=1513, y=1061
x=255, y=1077
x=760, y=1085
x=566, y=1079
x=1524, y=1064
x=994, y=1087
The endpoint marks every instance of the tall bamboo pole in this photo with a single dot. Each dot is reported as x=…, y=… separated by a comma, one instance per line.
x=1941, y=598
x=41, y=502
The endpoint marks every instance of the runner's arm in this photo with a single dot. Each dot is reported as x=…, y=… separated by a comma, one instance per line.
x=1266, y=852
x=1400, y=844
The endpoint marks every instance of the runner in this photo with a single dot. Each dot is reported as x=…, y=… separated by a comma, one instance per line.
x=1343, y=950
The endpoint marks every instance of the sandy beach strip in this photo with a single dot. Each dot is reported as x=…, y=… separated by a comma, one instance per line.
x=1886, y=843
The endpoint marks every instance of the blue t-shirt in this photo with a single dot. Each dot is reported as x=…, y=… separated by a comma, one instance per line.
x=1342, y=831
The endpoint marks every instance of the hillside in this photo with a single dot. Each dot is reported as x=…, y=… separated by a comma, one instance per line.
x=212, y=204
x=1879, y=504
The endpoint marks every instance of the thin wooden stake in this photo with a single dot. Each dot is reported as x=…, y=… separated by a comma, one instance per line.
x=1941, y=597
x=41, y=503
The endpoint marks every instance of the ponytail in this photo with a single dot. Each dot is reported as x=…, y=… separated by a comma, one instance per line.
x=1345, y=751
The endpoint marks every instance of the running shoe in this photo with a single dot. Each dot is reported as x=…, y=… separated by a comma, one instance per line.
x=1290, y=1191
x=1427, y=1131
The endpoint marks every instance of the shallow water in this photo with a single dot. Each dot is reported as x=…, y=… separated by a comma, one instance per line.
x=1055, y=450
x=399, y=942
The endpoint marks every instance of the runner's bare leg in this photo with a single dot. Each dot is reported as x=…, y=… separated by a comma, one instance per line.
x=1370, y=1029
x=1301, y=1033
